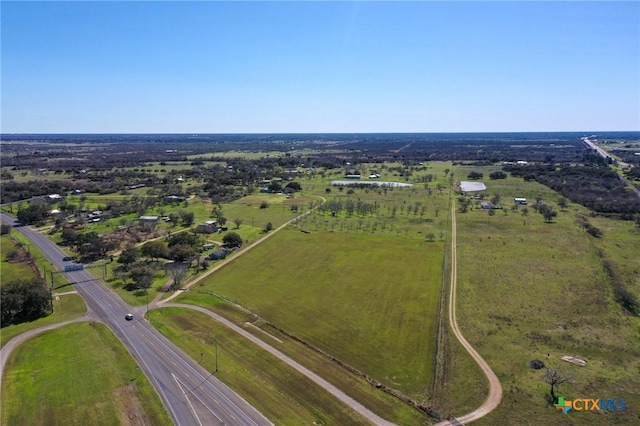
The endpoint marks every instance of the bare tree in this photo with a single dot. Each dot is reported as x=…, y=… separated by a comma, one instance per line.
x=177, y=271
x=554, y=379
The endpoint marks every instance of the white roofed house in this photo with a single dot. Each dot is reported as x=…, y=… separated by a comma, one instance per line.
x=54, y=198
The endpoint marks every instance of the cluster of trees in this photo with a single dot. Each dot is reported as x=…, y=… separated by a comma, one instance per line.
x=35, y=213
x=89, y=245
x=362, y=208
x=593, y=185
x=12, y=191
x=180, y=248
x=545, y=210
x=24, y=301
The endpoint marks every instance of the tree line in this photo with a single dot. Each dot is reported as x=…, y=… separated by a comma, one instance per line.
x=592, y=185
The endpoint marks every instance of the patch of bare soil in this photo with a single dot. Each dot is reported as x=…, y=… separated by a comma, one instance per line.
x=129, y=408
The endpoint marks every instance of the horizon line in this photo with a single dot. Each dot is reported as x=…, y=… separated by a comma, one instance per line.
x=314, y=133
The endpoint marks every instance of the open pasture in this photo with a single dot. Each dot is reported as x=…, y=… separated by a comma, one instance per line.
x=78, y=374
x=534, y=290
x=369, y=301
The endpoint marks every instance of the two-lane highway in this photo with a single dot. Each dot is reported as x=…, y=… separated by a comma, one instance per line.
x=192, y=395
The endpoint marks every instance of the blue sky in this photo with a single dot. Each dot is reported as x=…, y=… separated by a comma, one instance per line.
x=289, y=67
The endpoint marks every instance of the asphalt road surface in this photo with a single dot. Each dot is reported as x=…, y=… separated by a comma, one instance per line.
x=192, y=395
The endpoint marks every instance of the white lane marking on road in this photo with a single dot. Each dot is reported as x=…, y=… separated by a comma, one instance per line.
x=189, y=402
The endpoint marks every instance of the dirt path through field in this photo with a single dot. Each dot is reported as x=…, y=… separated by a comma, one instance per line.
x=495, y=389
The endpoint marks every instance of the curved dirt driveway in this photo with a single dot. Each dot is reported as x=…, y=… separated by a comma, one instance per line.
x=495, y=389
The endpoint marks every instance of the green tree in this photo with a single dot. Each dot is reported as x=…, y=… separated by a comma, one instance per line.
x=24, y=301
x=128, y=256
x=37, y=212
x=221, y=218
x=182, y=253
x=142, y=276
x=294, y=185
x=274, y=186
x=69, y=237
x=91, y=246
x=547, y=212
x=154, y=249
x=174, y=217
x=563, y=203
x=232, y=240
x=238, y=222
x=5, y=229
x=186, y=218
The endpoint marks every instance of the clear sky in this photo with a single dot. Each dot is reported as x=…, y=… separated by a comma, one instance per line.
x=289, y=67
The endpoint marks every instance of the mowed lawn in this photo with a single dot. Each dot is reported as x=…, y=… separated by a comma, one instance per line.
x=79, y=374
x=369, y=301
x=534, y=290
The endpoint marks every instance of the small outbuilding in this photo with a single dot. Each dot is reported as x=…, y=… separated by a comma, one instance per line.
x=221, y=253
x=486, y=205
x=148, y=219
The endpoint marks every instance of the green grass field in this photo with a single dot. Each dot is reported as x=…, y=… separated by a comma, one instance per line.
x=355, y=297
x=78, y=374
x=533, y=290
x=366, y=290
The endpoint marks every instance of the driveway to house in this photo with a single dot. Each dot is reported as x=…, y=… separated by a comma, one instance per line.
x=495, y=389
